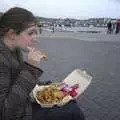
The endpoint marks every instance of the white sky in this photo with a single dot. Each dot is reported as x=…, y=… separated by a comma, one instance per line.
x=67, y=8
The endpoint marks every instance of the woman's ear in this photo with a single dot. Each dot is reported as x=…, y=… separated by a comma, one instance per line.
x=11, y=34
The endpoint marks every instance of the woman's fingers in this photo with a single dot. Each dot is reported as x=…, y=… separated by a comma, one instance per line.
x=31, y=53
x=35, y=54
x=42, y=55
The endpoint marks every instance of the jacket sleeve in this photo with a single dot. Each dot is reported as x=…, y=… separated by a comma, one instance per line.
x=14, y=98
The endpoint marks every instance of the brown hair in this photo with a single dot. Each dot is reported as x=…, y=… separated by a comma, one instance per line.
x=17, y=19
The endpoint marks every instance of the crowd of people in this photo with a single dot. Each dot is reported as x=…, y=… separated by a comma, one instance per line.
x=113, y=27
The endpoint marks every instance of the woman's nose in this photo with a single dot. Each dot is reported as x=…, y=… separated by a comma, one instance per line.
x=34, y=38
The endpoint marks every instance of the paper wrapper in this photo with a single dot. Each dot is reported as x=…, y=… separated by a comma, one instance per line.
x=76, y=77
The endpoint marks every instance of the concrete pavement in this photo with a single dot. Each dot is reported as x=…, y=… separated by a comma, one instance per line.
x=100, y=57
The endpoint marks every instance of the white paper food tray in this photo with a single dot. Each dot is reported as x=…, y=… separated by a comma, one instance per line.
x=76, y=77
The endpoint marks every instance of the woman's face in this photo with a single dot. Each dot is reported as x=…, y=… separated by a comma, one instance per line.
x=27, y=38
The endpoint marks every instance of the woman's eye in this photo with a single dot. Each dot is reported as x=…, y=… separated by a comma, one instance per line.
x=32, y=33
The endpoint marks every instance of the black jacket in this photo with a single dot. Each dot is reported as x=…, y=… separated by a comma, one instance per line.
x=17, y=79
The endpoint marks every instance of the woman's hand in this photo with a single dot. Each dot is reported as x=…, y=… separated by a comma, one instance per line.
x=34, y=56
